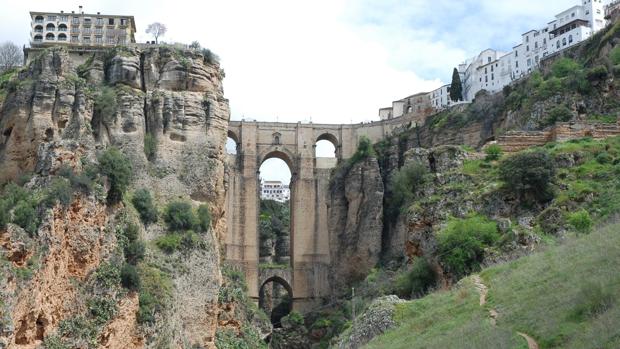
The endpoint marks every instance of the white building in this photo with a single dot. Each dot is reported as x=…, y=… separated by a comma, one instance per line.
x=81, y=29
x=440, y=98
x=275, y=190
x=492, y=70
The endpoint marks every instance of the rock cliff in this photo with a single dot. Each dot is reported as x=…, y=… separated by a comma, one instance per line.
x=356, y=221
x=165, y=110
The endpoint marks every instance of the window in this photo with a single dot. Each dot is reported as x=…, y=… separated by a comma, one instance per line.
x=517, y=64
x=75, y=29
x=529, y=62
x=50, y=27
x=38, y=19
x=38, y=29
x=62, y=28
x=111, y=40
x=49, y=36
x=564, y=42
x=75, y=38
x=99, y=21
x=98, y=31
x=527, y=39
x=123, y=21
x=516, y=53
x=99, y=39
x=110, y=21
x=87, y=39
x=492, y=76
x=570, y=39
x=558, y=44
x=76, y=20
x=527, y=48
x=38, y=38
x=51, y=18
x=64, y=18
x=62, y=37
x=489, y=59
x=536, y=45
x=87, y=31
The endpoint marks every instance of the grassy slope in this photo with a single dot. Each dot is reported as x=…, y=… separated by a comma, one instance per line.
x=539, y=295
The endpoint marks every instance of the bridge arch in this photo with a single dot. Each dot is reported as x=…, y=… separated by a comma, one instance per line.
x=323, y=141
x=278, y=152
x=276, y=306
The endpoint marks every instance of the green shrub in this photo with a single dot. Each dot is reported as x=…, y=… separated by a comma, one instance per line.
x=155, y=293
x=134, y=252
x=108, y=275
x=131, y=232
x=60, y=191
x=564, y=67
x=179, y=216
x=4, y=213
x=116, y=166
x=105, y=104
x=581, y=221
x=150, y=146
x=190, y=240
x=494, y=152
x=598, y=73
x=364, y=150
x=169, y=243
x=529, y=175
x=143, y=202
x=403, y=185
x=102, y=309
x=296, y=318
x=417, y=281
x=25, y=216
x=461, y=244
x=592, y=300
x=14, y=194
x=558, y=113
x=129, y=277
x=204, y=218
x=55, y=342
x=78, y=327
x=614, y=55
x=604, y=158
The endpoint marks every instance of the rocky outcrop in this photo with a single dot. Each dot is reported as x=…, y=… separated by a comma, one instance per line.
x=378, y=319
x=54, y=114
x=355, y=221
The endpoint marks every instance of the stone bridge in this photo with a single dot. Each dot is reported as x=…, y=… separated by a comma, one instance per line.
x=294, y=143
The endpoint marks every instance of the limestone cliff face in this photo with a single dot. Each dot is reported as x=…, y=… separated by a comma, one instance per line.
x=52, y=116
x=355, y=222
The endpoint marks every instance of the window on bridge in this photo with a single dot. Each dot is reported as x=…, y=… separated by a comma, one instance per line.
x=274, y=215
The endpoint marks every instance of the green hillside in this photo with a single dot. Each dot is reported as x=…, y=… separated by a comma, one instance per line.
x=565, y=297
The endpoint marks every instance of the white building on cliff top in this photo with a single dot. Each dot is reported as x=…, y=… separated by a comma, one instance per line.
x=492, y=70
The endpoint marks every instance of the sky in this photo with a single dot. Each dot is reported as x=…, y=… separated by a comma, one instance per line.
x=321, y=61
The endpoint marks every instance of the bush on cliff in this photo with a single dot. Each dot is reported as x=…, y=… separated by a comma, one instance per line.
x=417, y=281
x=25, y=215
x=116, y=166
x=494, y=152
x=143, y=202
x=204, y=217
x=529, y=175
x=581, y=221
x=105, y=104
x=403, y=185
x=461, y=244
x=179, y=216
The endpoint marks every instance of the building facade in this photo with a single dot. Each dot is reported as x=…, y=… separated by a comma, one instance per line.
x=275, y=190
x=81, y=29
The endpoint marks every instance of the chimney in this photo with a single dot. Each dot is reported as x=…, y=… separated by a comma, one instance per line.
x=61, y=11
x=82, y=12
x=98, y=13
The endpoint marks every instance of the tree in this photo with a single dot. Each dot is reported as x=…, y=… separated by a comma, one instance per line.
x=456, y=89
x=529, y=175
x=156, y=29
x=117, y=167
x=195, y=45
x=10, y=56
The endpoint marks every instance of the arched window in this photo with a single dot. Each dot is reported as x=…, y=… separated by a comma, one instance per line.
x=38, y=38
x=50, y=27
x=564, y=42
x=38, y=19
x=62, y=37
x=38, y=29
x=62, y=28
x=558, y=44
x=49, y=37
x=275, y=297
x=570, y=39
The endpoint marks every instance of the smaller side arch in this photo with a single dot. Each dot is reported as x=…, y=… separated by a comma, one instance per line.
x=329, y=137
x=234, y=136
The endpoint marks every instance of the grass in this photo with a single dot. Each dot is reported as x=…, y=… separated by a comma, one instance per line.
x=542, y=295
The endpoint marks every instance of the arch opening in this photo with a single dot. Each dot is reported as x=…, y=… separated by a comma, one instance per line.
x=325, y=149
x=276, y=299
x=62, y=37
x=231, y=146
x=274, y=215
x=49, y=36
x=50, y=27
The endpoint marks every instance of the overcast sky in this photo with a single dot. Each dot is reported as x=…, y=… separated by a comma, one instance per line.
x=332, y=61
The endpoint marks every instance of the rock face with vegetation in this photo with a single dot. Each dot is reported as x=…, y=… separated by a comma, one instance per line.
x=89, y=257
x=356, y=218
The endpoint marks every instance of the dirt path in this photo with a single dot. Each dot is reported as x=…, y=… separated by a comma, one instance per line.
x=483, y=290
x=531, y=343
